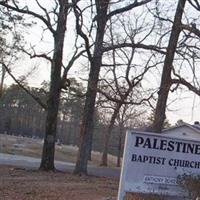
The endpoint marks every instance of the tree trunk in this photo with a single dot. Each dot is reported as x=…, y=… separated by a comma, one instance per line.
x=104, y=159
x=95, y=62
x=2, y=80
x=121, y=127
x=167, y=69
x=90, y=149
x=87, y=122
x=47, y=162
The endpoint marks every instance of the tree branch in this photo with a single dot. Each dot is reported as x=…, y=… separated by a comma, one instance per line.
x=37, y=99
x=116, y=100
x=34, y=55
x=127, y=8
x=182, y=81
x=135, y=45
x=45, y=11
x=191, y=29
x=79, y=30
x=196, y=5
x=70, y=64
x=28, y=12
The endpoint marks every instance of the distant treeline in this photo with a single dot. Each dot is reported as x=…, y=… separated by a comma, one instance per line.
x=21, y=115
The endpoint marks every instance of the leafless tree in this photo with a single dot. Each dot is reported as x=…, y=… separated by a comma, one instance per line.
x=182, y=58
x=54, y=18
x=10, y=39
x=94, y=55
x=166, y=83
x=125, y=87
x=129, y=117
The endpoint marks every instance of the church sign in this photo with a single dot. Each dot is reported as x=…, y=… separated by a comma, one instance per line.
x=152, y=163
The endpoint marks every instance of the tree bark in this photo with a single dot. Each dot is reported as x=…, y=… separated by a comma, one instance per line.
x=95, y=65
x=104, y=159
x=121, y=127
x=2, y=80
x=167, y=69
x=47, y=162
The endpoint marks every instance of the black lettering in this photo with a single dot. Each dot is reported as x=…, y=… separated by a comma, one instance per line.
x=147, y=143
x=163, y=144
x=151, y=158
x=192, y=164
x=171, y=162
x=184, y=147
x=158, y=161
x=134, y=157
x=155, y=142
x=187, y=164
x=190, y=148
x=197, y=149
x=145, y=158
x=163, y=161
x=197, y=165
x=139, y=140
x=139, y=158
x=167, y=145
x=170, y=146
x=178, y=144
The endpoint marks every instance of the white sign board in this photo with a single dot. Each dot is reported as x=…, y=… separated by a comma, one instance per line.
x=152, y=162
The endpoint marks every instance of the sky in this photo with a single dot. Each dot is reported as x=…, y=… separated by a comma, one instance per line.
x=185, y=106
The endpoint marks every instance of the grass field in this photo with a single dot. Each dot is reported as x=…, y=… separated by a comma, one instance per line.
x=21, y=184
x=33, y=147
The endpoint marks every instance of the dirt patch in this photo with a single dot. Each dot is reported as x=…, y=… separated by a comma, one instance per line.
x=20, y=184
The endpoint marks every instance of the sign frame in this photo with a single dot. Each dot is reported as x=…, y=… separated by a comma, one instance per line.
x=125, y=187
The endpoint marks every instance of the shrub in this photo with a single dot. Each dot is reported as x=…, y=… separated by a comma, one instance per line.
x=132, y=196
x=190, y=184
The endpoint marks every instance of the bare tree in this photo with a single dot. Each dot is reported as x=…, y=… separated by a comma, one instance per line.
x=54, y=18
x=129, y=117
x=123, y=90
x=95, y=60
x=166, y=82
x=10, y=39
x=182, y=56
x=125, y=86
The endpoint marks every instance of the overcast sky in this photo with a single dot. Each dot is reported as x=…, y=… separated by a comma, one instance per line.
x=185, y=106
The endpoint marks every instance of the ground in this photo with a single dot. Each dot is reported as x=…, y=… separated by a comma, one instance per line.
x=21, y=184
x=33, y=147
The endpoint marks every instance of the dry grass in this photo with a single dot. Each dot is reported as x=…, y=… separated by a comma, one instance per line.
x=19, y=184
x=130, y=196
x=33, y=147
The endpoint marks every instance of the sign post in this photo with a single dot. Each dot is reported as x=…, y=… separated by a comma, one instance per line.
x=152, y=163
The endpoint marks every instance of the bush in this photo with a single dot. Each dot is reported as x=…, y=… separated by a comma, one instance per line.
x=132, y=196
x=191, y=184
